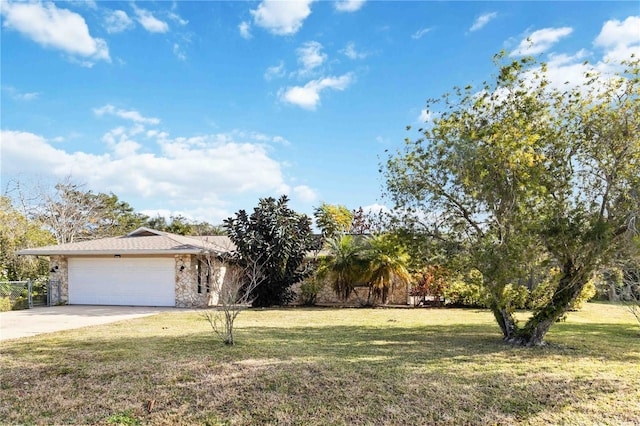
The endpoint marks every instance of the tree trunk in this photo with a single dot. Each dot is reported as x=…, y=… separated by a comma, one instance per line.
x=571, y=284
x=505, y=320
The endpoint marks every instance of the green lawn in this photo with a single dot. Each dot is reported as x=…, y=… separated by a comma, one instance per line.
x=328, y=366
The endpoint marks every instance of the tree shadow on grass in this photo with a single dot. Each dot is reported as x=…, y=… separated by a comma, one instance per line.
x=306, y=375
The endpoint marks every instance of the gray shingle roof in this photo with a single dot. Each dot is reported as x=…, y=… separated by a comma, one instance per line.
x=140, y=241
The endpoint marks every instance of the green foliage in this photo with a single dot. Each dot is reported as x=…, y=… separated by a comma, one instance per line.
x=17, y=232
x=5, y=304
x=73, y=214
x=588, y=292
x=467, y=290
x=182, y=226
x=279, y=239
x=375, y=261
x=309, y=290
x=175, y=225
x=333, y=220
x=387, y=262
x=124, y=418
x=116, y=217
x=345, y=265
x=517, y=176
x=542, y=293
x=515, y=296
x=609, y=283
x=205, y=228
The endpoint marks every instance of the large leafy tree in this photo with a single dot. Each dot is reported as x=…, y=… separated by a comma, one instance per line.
x=281, y=239
x=333, y=219
x=18, y=232
x=176, y=224
x=115, y=217
x=72, y=214
x=523, y=177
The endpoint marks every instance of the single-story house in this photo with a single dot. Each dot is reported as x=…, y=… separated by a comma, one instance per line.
x=153, y=268
x=143, y=268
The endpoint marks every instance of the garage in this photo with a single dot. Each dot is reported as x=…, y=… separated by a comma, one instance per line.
x=131, y=281
x=145, y=267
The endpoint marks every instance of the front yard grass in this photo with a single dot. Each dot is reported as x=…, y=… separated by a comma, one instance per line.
x=327, y=366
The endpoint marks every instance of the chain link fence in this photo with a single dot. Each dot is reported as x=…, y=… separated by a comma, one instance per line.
x=16, y=295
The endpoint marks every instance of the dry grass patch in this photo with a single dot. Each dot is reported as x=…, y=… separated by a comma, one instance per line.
x=327, y=366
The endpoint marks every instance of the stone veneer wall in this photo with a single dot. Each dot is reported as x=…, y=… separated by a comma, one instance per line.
x=187, y=282
x=326, y=296
x=61, y=274
x=187, y=295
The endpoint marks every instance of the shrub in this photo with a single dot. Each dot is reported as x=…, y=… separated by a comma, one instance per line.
x=430, y=281
x=21, y=302
x=309, y=290
x=466, y=291
x=5, y=304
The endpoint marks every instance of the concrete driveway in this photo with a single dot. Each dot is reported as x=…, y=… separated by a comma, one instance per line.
x=29, y=322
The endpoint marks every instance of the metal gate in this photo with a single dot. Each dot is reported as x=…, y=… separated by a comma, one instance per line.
x=54, y=292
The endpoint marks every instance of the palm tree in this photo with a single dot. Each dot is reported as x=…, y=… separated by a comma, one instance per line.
x=388, y=262
x=345, y=264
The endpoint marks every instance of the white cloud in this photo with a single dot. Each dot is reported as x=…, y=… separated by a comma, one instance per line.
x=615, y=32
x=310, y=56
x=20, y=96
x=241, y=135
x=128, y=115
x=425, y=116
x=150, y=22
x=376, y=209
x=306, y=194
x=117, y=21
x=308, y=96
x=483, y=20
x=210, y=212
x=179, y=52
x=276, y=71
x=118, y=140
x=281, y=17
x=26, y=96
x=245, y=30
x=198, y=174
x=348, y=5
x=541, y=41
x=55, y=28
x=350, y=52
x=177, y=18
x=418, y=34
x=620, y=39
x=563, y=68
x=91, y=4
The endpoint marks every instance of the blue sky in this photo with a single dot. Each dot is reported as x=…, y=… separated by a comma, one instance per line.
x=200, y=108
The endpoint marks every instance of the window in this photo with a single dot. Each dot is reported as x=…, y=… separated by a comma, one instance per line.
x=204, y=277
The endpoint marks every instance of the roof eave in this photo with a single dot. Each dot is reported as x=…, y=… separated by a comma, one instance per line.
x=36, y=252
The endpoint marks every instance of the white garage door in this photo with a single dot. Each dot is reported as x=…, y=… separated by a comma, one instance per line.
x=122, y=281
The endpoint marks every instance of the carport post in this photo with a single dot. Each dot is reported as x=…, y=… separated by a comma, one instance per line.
x=29, y=299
